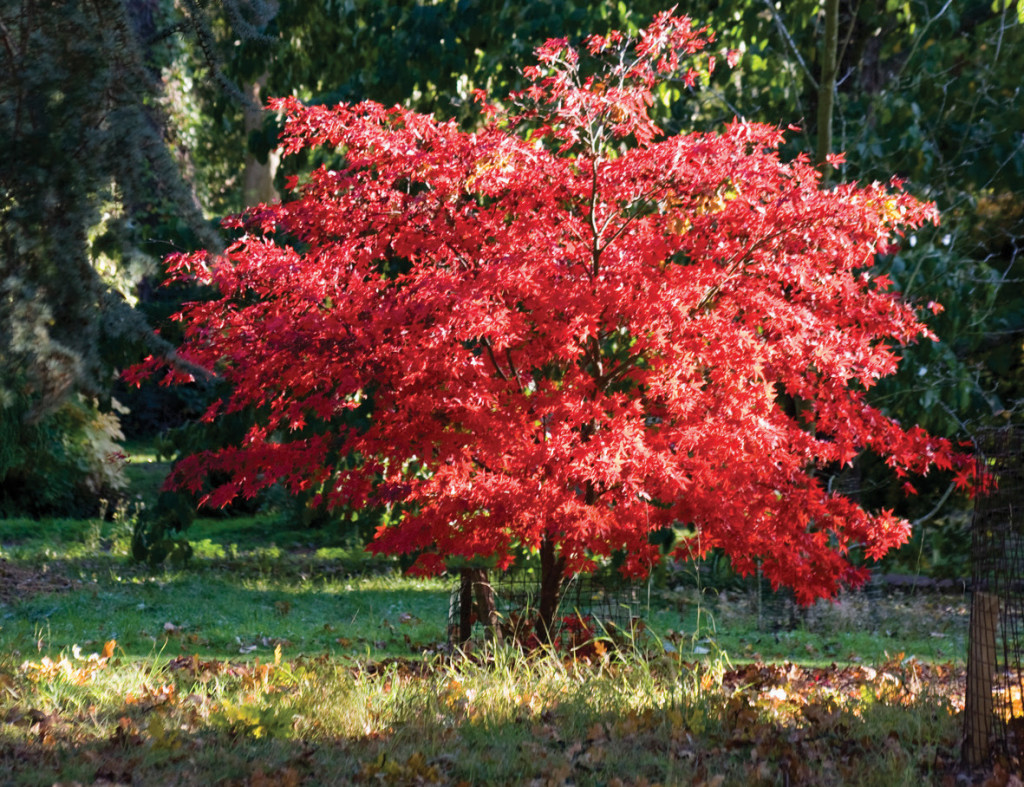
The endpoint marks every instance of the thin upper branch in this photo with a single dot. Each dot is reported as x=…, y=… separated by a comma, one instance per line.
x=490, y=352
x=512, y=367
x=619, y=371
x=596, y=247
x=777, y=17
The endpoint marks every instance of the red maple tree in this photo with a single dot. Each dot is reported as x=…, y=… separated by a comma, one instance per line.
x=568, y=329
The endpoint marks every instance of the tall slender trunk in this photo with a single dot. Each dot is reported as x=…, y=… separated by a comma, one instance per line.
x=827, y=84
x=552, y=571
x=982, y=664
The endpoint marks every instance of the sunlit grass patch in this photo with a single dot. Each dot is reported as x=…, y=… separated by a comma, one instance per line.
x=495, y=715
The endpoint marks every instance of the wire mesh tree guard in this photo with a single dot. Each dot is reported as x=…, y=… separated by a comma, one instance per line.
x=994, y=718
x=504, y=606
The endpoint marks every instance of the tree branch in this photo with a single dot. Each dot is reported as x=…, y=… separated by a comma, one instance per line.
x=512, y=367
x=942, y=501
x=596, y=248
x=620, y=370
x=789, y=40
x=490, y=352
x=7, y=44
x=734, y=267
x=594, y=351
x=122, y=321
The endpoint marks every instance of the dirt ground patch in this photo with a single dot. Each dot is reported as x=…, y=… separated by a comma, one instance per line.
x=18, y=583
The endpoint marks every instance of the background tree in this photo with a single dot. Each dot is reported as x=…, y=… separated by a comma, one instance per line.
x=78, y=145
x=90, y=198
x=571, y=333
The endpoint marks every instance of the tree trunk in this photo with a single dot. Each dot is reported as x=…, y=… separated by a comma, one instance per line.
x=981, y=668
x=257, y=178
x=474, y=582
x=465, y=606
x=552, y=570
x=486, y=609
x=827, y=84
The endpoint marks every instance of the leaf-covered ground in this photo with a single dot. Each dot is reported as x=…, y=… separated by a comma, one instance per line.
x=507, y=719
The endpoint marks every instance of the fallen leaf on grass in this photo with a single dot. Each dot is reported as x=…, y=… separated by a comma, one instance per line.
x=259, y=678
x=1001, y=778
x=153, y=696
x=78, y=670
x=287, y=777
x=594, y=756
x=416, y=770
x=275, y=642
x=597, y=732
x=545, y=732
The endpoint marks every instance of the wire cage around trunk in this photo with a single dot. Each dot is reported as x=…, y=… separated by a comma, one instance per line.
x=590, y=604
x=994, y=713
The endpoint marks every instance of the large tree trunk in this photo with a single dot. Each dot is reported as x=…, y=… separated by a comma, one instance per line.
x=257, y=177
x=552, y=571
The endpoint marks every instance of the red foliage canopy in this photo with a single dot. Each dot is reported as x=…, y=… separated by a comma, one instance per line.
x=569, y=327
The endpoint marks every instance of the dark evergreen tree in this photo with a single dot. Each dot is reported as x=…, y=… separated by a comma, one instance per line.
x=88, y=184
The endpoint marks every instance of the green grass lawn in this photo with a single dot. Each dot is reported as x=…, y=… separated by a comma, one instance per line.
x=278, y=656
x=342, y=602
